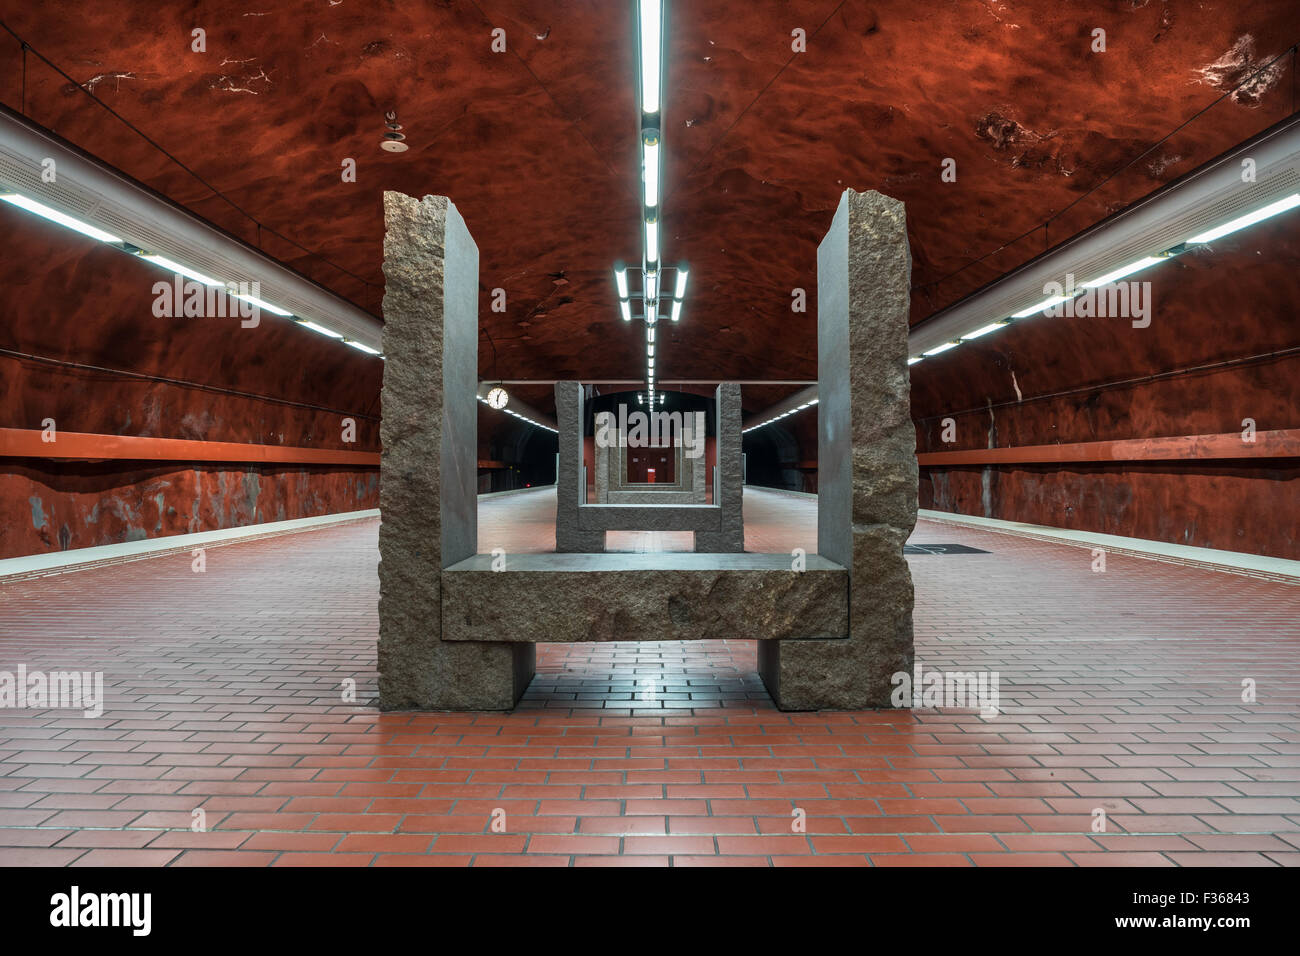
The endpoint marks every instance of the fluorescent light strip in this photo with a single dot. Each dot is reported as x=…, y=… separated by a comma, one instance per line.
x=677, y=310
x=776, y=418
x=522, y=418
x=1035, y=309
x=1272, y=209
x=650, y=164
x=991, y=327
x=680, y=292
x=263, y=304
x=940, y=348
x=651, y=286
x=651, y=17
x=652, y=242
x=319, y=328
x=53, y=215
x=172, y=266
x=626, y=308
x=620, y=281
x=1144, y=263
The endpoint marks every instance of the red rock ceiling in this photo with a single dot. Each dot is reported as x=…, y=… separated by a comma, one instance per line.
x=537, y=145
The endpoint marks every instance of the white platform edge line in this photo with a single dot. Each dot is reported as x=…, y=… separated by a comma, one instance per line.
x=59, y=562
x=78, y=559
x=1235, y=562
x=515, y=491
x=805, y=495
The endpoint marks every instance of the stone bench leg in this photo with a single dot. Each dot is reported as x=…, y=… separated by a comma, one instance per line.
x=866, y=463
x=428, y=470
x=728, y=488
x=432, y=674
x=856, y=673
x=570, y=491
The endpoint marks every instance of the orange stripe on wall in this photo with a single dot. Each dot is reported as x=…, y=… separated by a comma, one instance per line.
x=1282, y=443
x=28, y=443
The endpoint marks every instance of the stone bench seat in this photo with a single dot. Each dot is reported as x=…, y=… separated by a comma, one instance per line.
x=661, y=596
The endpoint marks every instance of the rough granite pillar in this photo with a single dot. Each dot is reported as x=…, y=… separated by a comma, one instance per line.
x=728, y=490
x=603, y=457
x=866, y=463
x=699, y=474
x=570, y=490
x=428, y=470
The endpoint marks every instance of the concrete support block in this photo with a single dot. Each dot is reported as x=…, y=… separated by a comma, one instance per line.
x=570, y=491
x=605, y=463
x=728, y=485
x=867, y=472
x=428, y=470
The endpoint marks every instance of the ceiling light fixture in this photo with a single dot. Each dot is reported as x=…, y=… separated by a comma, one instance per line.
x=276, y=310
x=53, y=215
x=179, y=269
x=307, y=323
x=812, y=402
x=1033, y=309
x=487, y=400
x=651, y=244
x=940, y=348
x=1205, y=204
x=650, y=167
x=991, y=327
x=1259, y=215
x=650, y=18
x=1145, y=262
x=361, y=346
x=171, y=265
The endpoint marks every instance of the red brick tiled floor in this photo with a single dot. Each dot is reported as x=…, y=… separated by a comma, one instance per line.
x=1121, y=692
